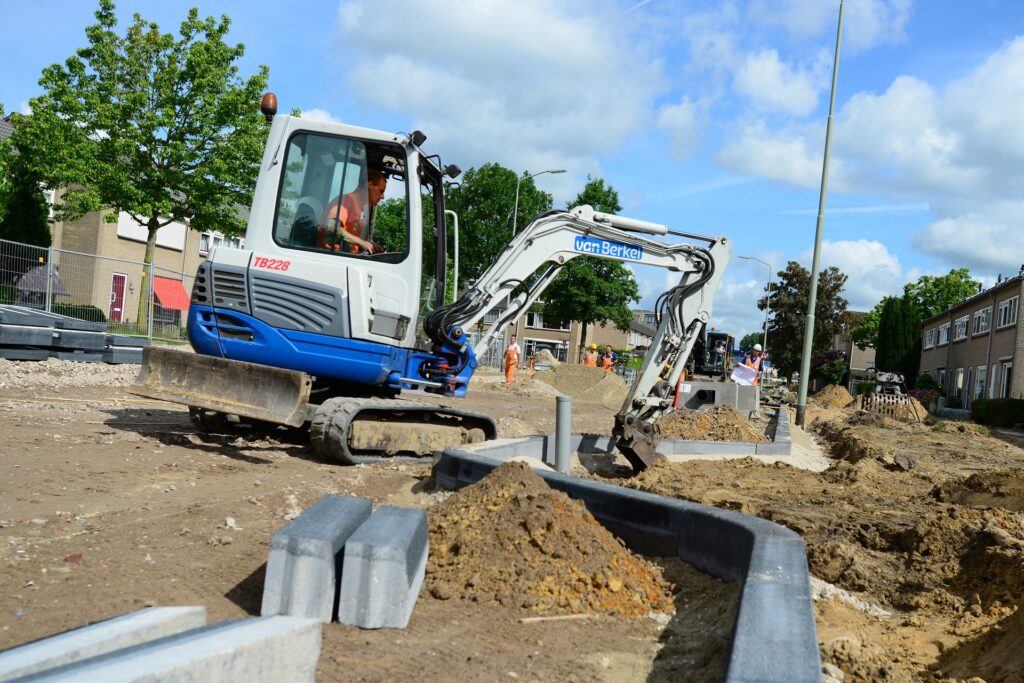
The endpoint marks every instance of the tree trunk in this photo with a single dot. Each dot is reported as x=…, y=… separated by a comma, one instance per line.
x=145, y=295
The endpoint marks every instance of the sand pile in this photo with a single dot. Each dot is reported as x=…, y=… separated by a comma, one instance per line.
x=582, y=382
x=545, y=357
x=959, y=427
x=511, y=540
x=522, y=386
x=832, y=396
x=721, y=423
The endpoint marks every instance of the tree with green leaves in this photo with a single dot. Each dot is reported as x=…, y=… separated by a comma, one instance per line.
x=748, y=341
x=159, y=127
x=934, y=294
x=590, y=290
x=484, y=198
x=24, y=213
x=789, y=308
x=898, y=341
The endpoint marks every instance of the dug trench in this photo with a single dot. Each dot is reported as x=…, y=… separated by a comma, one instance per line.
x=918, y=525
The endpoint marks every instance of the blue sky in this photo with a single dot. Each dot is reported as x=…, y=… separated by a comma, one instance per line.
x=708, y=116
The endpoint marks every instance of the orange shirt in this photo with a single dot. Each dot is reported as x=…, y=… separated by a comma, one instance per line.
x=349, y=214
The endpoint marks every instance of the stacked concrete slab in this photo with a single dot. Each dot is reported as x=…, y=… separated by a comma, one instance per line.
x=30, y=334
x=172, y=644
x=337, y=560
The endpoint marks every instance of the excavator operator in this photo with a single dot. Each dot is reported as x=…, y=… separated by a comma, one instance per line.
x=351, y=214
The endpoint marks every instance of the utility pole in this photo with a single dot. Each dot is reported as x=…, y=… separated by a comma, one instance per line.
x=805, y=361
x=767, y=299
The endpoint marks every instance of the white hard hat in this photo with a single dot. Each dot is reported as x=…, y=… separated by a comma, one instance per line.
x=757, y=347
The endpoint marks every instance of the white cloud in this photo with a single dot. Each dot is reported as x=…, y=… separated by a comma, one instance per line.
x=872, y=271
x=773, y=85
x=320, y=115
x=532, y=85
x=988, y=240
x=866, y=23
x=682, y=122
x=788, y=157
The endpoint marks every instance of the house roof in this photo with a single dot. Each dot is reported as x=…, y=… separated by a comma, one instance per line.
x=642, y=328
x=6, y=129
x=995, y=290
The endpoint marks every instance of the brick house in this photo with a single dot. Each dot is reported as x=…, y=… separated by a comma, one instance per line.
x=972, y=348
x=640, y=334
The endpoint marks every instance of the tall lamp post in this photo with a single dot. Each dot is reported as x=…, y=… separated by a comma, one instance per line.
x=805, y=360
x=515, y=209
x=767, y=299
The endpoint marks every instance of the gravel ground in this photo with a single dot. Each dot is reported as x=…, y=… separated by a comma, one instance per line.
x=57, y=374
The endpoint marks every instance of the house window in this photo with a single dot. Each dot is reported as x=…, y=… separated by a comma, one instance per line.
x=530, y=347
x=492, y=316
x=944, y=334
x=940, y=376
x=929, y=338
x=1004, y=390
x=993, y=376
x=536, y=320
x=651, y=319
x=982, y=321
x=1007, y=312
x=958, y=383
x=960, y=328
x=204, y=243
x=979, y=382
x=51, y=197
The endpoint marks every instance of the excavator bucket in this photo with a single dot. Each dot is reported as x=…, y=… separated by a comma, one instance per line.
x=250, y=390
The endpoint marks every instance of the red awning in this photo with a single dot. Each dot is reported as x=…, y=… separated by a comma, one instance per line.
x=170, y=293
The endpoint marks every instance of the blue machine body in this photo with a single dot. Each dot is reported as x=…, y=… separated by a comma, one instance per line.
x=239, y=336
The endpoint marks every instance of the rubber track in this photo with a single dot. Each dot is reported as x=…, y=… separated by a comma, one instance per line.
x=328, y=430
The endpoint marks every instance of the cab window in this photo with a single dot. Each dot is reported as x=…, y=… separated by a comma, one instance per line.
x=330, y=190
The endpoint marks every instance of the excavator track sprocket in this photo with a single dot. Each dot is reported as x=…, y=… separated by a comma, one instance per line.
x=363, y=431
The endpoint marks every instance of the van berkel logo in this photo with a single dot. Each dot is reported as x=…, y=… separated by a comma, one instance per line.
x=598, y=247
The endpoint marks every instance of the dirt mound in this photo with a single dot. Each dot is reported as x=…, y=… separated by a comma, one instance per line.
x=522, y=386
x=511, y=427
x=957, y=427
x=721, y=423
x=511, y=540
x=545, y=357
x=833, y=396
x=996, y=656
x=586, y=383
x=1003, y=490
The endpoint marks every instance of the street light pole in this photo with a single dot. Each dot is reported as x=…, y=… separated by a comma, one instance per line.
x=767, y=299
x=805, y=361
x=515, y=209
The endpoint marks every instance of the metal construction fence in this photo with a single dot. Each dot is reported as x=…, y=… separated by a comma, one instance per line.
x=131, y=298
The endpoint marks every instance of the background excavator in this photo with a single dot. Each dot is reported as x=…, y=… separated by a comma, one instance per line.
x=303, y=326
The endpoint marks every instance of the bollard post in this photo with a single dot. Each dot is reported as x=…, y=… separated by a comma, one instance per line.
x=563, y=431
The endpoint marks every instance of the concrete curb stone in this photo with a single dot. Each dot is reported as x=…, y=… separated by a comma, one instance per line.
x=385, y=562
x=305, y=558
x=97, y=639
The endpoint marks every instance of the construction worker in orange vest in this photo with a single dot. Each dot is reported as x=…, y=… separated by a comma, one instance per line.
x=753, y=361
x=609, y=358
x=512, y=355
x=590, y=356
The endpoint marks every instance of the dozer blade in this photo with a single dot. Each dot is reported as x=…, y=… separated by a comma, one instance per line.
x=251, y=390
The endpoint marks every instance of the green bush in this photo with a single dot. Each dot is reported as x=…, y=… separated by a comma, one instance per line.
x=90, y=313
x=926, y=381
x=998, y=412
x=7, y=294
x=954, y=402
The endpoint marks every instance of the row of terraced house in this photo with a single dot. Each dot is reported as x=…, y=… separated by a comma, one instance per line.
x=971, y=349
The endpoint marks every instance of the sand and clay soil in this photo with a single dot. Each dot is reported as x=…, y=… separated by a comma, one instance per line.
x=721, y=423
x=832, y=396
x=920, y=522
x=511, y=540
x=588, y=384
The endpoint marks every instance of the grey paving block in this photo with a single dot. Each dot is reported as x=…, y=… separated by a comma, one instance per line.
x=26, y=335
x=126, y=340
x=79, y=356
x=695, y=447
x=260, y=650
x=18, y=315
x=773, y=448
x=385, y=561
x=77, y=339
x=21, y=353
x=97, y=639
x=122, y=354
x=305, y=560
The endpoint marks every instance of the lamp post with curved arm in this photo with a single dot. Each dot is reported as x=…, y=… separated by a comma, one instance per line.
x=767, y=299
x=515, y=209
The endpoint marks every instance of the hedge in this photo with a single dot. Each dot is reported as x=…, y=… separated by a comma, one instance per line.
x=998, y=412
x=90, y=313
